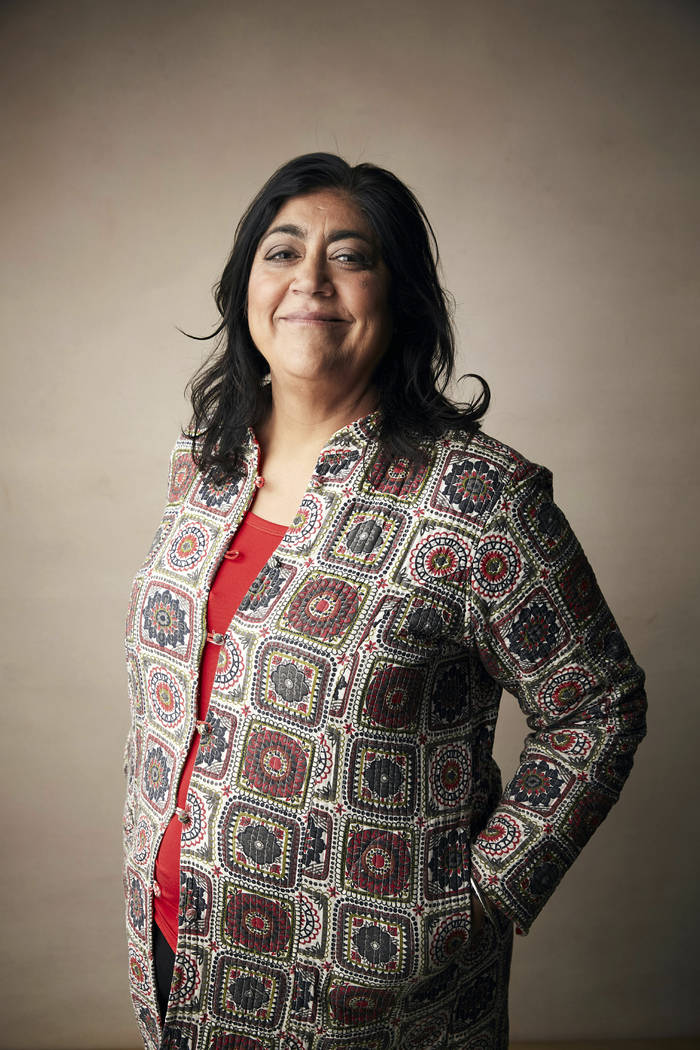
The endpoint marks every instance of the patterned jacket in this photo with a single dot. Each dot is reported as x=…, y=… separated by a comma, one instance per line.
x=345, y=791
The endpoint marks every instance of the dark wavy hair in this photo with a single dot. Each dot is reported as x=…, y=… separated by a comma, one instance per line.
x=229, y=393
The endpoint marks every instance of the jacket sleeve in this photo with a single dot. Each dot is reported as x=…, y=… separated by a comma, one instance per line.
x=544, y=632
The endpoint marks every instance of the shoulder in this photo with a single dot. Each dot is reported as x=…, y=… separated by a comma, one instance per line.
x=494, y=460
x=185, y=472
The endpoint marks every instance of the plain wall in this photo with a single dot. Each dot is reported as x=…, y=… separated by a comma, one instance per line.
x=554, y=144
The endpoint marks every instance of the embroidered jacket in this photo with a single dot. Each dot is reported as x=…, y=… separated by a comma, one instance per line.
x=344, y=790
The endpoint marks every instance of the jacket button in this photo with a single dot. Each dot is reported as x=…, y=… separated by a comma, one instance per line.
x=183, y=815
x=259, y=481
x=156, y=888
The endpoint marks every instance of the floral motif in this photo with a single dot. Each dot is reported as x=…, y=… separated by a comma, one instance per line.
x=275, y=764
x=573, y=743
x=165, y=620
x=384, y=776
x=393, y=696
x=259, y=844
x=448, y=862
x=501, y=836
x=324, y=608
x=450, y=936
x=181, y=475
x=290, y=682
x=535, y=632
x=143, y=836
x=214, y=494
x=248, y=993
x=166, y=697
x=257, y=923
x=470, y=487
x=364, y=536
x=538, y=783
x=449, y=775
x=188, y=548
x=374, y=941
x=138, y=969
x=156, y=776
x=439, y=558
x=497, y=567
x=564, y=690
x=378, y=862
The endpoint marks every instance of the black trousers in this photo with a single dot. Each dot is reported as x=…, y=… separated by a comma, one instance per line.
x=163, y=958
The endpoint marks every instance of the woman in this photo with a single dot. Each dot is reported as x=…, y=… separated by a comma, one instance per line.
x=347, y=574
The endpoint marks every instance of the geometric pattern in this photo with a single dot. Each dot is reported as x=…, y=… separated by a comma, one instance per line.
x=292, y=683
x=344, y=793
x=374, y=942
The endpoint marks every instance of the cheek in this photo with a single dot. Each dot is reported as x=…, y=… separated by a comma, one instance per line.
x=372, y=301
x=263, y=295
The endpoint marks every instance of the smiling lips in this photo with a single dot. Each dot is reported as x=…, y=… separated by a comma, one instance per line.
x=312, y=318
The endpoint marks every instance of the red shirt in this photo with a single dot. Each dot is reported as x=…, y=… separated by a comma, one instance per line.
x=250, y=549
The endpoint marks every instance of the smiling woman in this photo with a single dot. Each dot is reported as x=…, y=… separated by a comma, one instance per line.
x=320, y=854
x=318, y=305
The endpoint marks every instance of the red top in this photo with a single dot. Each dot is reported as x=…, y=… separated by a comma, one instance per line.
x=249, y=550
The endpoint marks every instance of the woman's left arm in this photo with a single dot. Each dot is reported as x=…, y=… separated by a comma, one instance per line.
x=551, y=641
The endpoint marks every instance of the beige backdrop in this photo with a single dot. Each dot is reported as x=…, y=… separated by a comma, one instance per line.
x=554, y=143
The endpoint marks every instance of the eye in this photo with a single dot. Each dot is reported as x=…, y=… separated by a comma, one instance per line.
x=279, y=255
x=351, y=258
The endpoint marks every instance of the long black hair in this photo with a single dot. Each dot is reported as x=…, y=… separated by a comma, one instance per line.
x=228, y=392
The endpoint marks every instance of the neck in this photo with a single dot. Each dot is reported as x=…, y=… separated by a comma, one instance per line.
x=304, y=419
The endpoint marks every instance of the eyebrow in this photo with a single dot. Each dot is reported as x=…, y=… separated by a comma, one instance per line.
x=336, y=235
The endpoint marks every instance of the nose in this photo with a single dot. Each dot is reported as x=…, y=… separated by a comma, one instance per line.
x=312, y=276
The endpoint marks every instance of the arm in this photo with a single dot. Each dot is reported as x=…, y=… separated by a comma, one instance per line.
x=549, y=639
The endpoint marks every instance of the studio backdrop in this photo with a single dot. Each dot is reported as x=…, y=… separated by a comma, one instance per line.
x=554, y=146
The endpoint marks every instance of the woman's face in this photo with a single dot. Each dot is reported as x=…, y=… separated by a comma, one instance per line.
x=318, y=294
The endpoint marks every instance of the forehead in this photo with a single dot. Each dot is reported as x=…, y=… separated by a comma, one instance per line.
x=323, y=210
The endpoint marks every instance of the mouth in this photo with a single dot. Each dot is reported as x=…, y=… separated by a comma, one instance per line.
x=313, y=319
